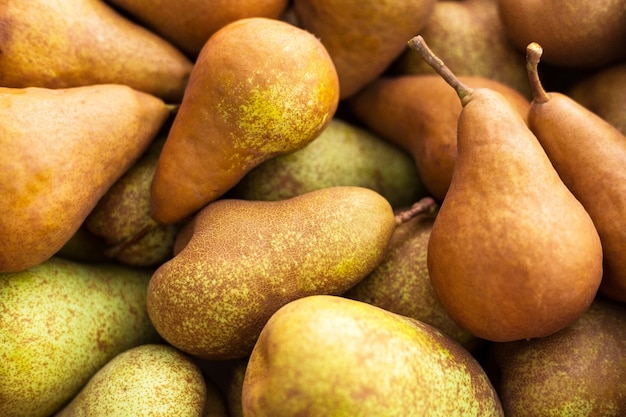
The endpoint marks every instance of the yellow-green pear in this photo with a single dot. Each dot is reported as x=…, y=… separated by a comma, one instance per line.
x=60, y=322
x=62, y=149
x=151, y=380
x=325, y=355
x=242, y=260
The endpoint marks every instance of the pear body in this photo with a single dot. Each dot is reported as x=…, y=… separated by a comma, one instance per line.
x=60, y=322
x=328, y=355
x=507, y=262
x=237, y=113
x=242, y=260
x=63, y=149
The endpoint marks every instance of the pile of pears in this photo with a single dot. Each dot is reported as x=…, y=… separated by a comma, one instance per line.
x=312, y=208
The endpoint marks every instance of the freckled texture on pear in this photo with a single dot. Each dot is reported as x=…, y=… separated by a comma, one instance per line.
x=328, y=355
x=578, y=371
x=259, y=88
x=60, y=322
x=343, y=154
x=62, y=150
x=70, y=43
x=149, y=380
x=245, y=259
x=363, y=37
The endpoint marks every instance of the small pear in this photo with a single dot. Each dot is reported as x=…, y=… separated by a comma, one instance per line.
x=62, y=150
x=71, y=43
x=60, y=322
x=242, y=260
x=325, y=355
x=506, y=261
x=237, y=113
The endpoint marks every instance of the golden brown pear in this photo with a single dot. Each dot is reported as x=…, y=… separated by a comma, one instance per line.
x=512, y=253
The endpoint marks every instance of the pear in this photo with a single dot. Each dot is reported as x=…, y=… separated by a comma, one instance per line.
x=419, y=113
x=237, y=113
x=242, y=260
x=147, y=380
x=60, y=322
x=580, y=370
x=506, y=261
x=71, y=43
x=362, y=37
x=188, y=24
x=325, y=355
x=62, y=150
x=343, y=154
x=589, y=154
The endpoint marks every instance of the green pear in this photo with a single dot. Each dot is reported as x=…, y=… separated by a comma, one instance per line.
x=60, y=322
x=325, y=355
x=343, y=154
x=148, y=380
x=242, y=260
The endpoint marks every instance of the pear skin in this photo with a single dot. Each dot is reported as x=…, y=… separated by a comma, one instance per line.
x=60, y=322
x=245, y=259
x=71, y=43
x=63, y=149
x=506, y=262
x=259, y=88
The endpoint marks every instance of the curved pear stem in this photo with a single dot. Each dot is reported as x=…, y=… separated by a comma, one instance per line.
x=463, y=91
x=114, y=251
x=426, y=205
x=533, y=56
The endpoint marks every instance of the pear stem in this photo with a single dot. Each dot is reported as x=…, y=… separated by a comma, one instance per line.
x=115, y=250
x=533, y=56
x=426, y=205
x=418, y=44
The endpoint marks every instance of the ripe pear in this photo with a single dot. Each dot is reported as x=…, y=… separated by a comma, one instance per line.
x=325, y=355
x=419, y=113
x=147, y=380
x=60, y=322
x=62, y=150
x=363, y=37
x=580, y=370
x=188, y=24
x=238, y=112
x=70, y=43
x=589, y=154
x=242, y=260
x=343, y=154
x=506, y=261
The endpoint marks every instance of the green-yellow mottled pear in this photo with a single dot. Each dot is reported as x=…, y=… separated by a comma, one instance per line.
x=60, y=322
x=245, y=259
x=325, y=355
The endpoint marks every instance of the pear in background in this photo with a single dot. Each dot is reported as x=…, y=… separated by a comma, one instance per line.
x=325, y=355
x=60, y=322
x=259, y=88
x=62, y=150
x=580, y=370
x=362, y=37
x=70, y=43
x=188, y=24
x=343, y=154
x=148, y=380
x=242, y=260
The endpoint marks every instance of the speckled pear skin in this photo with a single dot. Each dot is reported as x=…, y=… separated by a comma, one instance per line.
x=329, y=355
x=60, y=322
x=148, y=380
x=245, y=259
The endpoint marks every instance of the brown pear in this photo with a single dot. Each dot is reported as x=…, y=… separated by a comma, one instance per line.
x=62, y=150
x=69, y=43
x=589, y=154
x=512, y=253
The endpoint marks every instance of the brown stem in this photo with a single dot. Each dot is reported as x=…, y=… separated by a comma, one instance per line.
x=114, y=251
x=423, y=206
x=418, y=44
x=533, y=56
